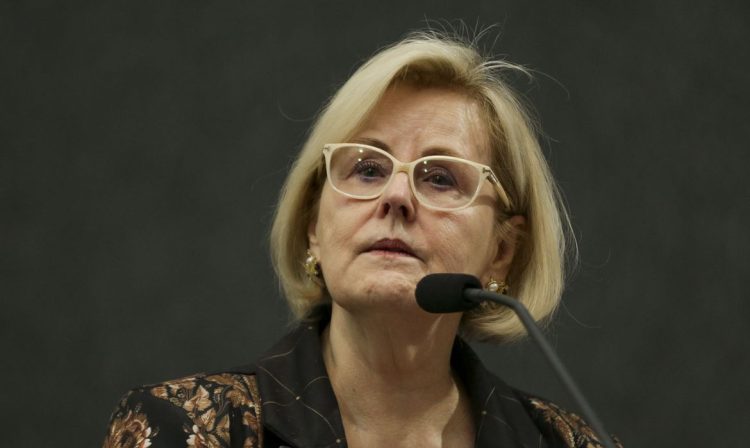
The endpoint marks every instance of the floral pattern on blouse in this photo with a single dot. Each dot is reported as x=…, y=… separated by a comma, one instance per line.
x=207, y=408
x=129, y=429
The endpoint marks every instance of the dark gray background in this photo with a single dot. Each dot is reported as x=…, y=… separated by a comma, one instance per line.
x=144, y=143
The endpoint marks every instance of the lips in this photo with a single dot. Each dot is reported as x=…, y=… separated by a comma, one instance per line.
x=394, y=246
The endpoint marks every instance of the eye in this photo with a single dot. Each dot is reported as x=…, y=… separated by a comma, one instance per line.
x=368, y=170
x=439, y=177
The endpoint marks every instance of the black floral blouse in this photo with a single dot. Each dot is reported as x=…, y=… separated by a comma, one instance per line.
x=286, y=400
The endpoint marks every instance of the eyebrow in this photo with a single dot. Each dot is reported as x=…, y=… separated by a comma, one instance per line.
x=434, y=151
x=372, y=142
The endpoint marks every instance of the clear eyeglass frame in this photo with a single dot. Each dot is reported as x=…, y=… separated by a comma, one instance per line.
x=483, y=171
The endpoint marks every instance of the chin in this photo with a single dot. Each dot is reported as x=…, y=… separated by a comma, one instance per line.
x=378, y=290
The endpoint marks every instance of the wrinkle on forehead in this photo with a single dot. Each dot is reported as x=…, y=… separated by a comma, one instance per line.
x=431, y=120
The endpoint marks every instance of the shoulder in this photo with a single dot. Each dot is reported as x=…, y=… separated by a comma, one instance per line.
x=566, y=428
x=219, y=409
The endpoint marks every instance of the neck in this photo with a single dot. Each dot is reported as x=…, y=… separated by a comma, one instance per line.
x=393, y=346
x=392, y=368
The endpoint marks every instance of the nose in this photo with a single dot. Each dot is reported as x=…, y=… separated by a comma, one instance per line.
x=398, y=198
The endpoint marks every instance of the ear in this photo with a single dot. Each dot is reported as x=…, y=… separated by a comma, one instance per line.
x=507, y=244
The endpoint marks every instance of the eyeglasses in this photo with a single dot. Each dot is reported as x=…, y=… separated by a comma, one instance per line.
x=439, y=182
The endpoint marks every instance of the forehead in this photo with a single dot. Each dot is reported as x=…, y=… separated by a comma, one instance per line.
x=415, y=121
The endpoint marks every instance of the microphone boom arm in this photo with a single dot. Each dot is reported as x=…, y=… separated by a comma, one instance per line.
x=478, y=296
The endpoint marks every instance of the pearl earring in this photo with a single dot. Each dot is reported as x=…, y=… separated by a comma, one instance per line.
x=496, y=286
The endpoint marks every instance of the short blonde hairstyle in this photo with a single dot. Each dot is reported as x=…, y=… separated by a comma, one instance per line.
x=536, y=276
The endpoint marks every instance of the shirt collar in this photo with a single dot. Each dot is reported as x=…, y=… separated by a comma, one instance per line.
x=299, y=406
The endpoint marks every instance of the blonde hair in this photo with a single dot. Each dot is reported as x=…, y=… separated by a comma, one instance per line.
x=424, y=59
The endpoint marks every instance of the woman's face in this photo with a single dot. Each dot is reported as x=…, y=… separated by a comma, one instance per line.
x=373, y=252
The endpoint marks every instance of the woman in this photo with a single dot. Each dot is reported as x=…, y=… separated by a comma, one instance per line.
x=423, y=162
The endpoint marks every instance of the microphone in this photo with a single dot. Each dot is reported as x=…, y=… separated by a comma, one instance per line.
x=451, y=293
x=444, y=293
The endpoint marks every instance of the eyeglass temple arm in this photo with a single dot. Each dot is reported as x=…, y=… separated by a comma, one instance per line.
x=498, y=187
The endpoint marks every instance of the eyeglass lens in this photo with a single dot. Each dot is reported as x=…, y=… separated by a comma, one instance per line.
x=439, y=182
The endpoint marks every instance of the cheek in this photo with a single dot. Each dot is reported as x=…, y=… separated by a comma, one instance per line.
x=327, y=222
x=336, y=226
x=465, y=243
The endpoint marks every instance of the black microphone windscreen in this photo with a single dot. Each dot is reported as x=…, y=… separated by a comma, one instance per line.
x=444, y=293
